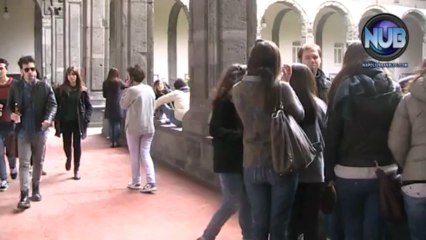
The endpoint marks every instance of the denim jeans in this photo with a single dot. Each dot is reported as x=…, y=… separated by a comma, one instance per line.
x=139, y=151
x=170, y=113
x=271, y=200
x=234, y=199
x=416, y=214
x=3, y=170
x=359, y=209
x=114, y=130
x=30, y=147
x=71, y=139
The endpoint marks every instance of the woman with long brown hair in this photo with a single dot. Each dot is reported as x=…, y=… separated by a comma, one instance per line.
x=407, y=141
x=227, y=133
x=305, y=213
x=73, y=116
x=270, y=194
x=362, y=103
x=111, y=89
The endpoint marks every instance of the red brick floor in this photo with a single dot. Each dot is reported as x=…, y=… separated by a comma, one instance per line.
x=100, y=207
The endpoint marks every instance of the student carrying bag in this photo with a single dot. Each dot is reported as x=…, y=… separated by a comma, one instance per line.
x=292, y=150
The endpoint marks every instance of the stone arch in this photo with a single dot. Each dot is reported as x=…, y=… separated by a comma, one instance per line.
x=367, y=13
x=292, y=5
x=340, y=9
x=415, y=21
x=172, y=36
x=419, y=16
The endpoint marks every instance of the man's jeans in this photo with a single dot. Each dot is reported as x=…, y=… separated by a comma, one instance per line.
x=3, y=170
x=359, y=208
x=30, y=146
x=234, y=199
x=170, y=114
x=139, y=150
x=271, y=201
x=416, y=213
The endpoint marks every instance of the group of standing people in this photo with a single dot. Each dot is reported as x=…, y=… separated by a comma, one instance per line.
x=357, y=124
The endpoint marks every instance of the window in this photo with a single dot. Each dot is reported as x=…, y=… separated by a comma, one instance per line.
x=338, y=53
x=295, y=49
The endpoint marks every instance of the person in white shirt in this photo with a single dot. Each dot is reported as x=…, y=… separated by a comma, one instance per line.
x=180, y=98
x=138, y=100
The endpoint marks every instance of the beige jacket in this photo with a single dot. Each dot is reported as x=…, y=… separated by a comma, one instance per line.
x=248, y=100
x=138, y=101
x=407, y=136
x=180, y=100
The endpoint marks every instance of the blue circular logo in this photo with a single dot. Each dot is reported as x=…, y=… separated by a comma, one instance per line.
x=385, y=37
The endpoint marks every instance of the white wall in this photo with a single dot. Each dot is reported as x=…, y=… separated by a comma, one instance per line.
x=289, y=32
x=162, y=10
x=182, y=45
x=334, y=31
x=17, y=32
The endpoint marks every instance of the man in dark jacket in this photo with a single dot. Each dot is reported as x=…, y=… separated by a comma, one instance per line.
x=310, y=55
x=33, y=106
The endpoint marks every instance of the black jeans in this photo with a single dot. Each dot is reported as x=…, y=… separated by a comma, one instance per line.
x=304, y=219
x=71, y=135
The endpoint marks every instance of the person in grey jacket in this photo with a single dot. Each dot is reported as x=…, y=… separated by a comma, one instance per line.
x=407, y=141
x=270, y=194
x=139, y=100
x=305, y=213
x=33, y=106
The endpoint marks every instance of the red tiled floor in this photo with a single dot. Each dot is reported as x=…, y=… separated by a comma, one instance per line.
x=100, y=207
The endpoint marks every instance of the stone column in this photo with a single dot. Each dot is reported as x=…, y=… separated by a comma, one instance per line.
x=59, y=50
x=139, y=35
x=47, y=47
x=72, y=33
x=219, y=36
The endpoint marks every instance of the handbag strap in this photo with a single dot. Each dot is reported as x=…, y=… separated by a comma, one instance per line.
x=278, y=98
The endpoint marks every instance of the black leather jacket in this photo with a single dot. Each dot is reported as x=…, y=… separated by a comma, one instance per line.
x=45, y=105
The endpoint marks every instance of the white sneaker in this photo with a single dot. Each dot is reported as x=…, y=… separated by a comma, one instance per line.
x=134, y=186
x=4, y=185
x=149, y=188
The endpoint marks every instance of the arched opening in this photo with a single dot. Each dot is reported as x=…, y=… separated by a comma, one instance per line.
x=413, y=55
x=331, y=28
x=171, y=36
x=284, y=24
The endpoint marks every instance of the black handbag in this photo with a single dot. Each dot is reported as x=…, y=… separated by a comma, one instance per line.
x=292, y=150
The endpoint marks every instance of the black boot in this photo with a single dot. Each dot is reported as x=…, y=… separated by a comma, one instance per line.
x=24, y=202
x=36, y=197
x=68, y=164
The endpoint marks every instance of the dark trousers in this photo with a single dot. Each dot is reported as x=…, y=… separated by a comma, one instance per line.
x=71, y=136
x=304, y=218
x=115, y=130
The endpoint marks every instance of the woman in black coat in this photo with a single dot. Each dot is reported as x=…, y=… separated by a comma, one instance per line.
x=73, y=116
x=226, y=130
x=111, y=90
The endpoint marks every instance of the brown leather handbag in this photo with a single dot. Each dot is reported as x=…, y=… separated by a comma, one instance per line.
x=390, y=197
x=291, y=148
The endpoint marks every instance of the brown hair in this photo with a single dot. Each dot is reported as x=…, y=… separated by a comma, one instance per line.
x=302, y=81
x=265, y=61
x=136, y=73
x=231, y=76
x=113, y=74
x=308, y=46
x=66, y=84
x=355, y=56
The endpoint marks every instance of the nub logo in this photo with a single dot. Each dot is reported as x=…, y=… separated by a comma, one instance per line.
x=385, y=37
